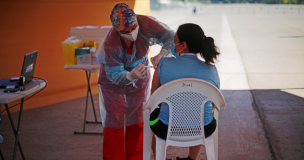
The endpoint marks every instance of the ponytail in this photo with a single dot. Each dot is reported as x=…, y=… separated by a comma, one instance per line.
x=197, y=42
x=208, y=50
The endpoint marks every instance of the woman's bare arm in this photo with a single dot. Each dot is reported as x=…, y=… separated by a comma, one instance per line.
x=155, y=81
x=155, y=85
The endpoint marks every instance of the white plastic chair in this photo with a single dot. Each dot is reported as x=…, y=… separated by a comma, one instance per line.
x=186, y=124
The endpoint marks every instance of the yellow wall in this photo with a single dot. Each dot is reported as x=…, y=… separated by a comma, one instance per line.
x=142, y=7
x=42, y=25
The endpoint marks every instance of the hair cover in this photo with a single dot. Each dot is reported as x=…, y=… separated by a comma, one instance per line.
x=122, y=16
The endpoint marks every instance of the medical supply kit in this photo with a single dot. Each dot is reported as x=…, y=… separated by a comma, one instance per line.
x=80, y=48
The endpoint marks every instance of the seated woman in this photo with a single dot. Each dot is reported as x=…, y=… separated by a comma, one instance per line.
x=189, y=41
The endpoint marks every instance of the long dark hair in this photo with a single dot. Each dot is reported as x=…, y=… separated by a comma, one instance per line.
x=197, y=42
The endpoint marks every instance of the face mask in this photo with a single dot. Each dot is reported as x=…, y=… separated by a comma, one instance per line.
x=173, y=50
x=131, y=36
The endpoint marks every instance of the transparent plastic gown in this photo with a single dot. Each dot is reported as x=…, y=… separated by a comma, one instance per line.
x=123, y=99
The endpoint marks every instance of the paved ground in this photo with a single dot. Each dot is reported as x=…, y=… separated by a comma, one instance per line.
x=261, y=70
x=47, y=133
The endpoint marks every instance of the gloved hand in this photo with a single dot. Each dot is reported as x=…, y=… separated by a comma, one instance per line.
x=138, y=72
x=155, y=60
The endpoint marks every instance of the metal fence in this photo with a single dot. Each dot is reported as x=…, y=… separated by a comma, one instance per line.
x=232, y=8
x=252, y=9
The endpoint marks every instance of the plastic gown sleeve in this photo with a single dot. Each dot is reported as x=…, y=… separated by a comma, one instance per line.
x=114, y=66
x=156, y=32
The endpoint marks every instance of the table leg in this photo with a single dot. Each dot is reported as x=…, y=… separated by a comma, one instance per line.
x=1, y=155
x=86, y=108
x=89, y=93
x=16, y=132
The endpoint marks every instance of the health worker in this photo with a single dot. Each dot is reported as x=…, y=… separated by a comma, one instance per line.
x=124, y=79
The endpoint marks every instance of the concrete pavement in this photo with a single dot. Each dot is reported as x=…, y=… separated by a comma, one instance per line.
x=272, y=51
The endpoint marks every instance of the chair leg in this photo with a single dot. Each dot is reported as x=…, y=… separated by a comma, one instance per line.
x=147, y=135
x=160, y=149
x=209, y=145
x=215, y=135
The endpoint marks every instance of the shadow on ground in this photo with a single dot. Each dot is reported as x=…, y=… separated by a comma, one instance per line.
x=270, y=126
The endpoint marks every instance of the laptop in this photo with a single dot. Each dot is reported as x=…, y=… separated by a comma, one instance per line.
x=27, y=71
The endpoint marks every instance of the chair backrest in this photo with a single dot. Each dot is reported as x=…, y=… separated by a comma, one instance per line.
x=186, y=99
